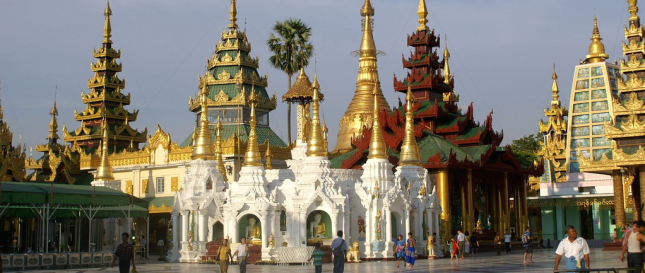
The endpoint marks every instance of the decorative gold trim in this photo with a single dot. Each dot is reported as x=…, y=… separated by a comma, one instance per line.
x=128, y=187
x=174, y=184
x=144, y=185
x=161, y=209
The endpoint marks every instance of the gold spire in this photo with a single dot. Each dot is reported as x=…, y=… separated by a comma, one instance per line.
x=53, y=125
x=104, y=171
x=410, y=155
x=107, y=28
x=233, y=13
x=268, y=157
x=633, y=9
x=361, y=106
x=252, y=156
x=555, y=90
x=203, y=148
x=596, y=48
x=316, y=142
x=219, y=150
x=377, y=144
x=423, y=13
x=446, y=68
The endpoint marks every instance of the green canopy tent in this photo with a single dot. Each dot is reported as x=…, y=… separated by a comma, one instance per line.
x=49, y=200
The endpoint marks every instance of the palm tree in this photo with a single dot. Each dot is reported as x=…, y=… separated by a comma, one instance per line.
x=292, y=50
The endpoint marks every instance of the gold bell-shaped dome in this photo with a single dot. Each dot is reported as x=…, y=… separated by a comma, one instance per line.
x=596, y=48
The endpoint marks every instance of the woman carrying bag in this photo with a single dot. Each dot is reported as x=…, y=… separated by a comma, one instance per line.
x=242, y=253
x=223, y=256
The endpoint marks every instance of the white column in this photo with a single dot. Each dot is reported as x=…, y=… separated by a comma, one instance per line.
x=175, y=230
x=334, y=224
x=302, y=226
x=407, y=222
x=233, y=230
x=185, y=215
x=265, y=226
x=202, y=226
x=388, y=225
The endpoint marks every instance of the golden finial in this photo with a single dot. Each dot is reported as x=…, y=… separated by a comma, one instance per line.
x=446, y=67
x=252, y=156
x=410, y=155
x=367, y=9
x=53, y=125
x=596, y=48
x=633, y=9
x=423, y=13
x=268, y=157
x=233, y=13
x=218, y=148
x=316, y=142
x=377, y=144
x=203, y=148
x=325, y=131
x=107, y=28
x=368, y=48
x=554, y=89
x=104, y=171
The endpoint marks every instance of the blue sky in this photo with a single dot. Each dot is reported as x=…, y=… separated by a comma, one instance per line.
x=502, y=54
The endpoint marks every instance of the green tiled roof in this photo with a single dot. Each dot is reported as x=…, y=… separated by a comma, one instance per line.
x=264, y=133
x=431, y=144
x=476, y=152
x=158, y=201
x=337, y=162
x=424, y=106
x=451, y=122
x=469, y=132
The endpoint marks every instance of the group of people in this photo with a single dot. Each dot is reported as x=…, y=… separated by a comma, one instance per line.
x=463, y=244
x=406, y=251
x=633, y=245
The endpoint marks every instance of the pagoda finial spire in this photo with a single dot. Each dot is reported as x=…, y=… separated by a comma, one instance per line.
x=368, y=48
x=555, y=90
x=596, y=48
x=252, y=156
x=410, y=155
x=233, y=13
x=446, y=67
x=316, y=142
x=377, y=144
x=53, y=125
x=104, y=171
x=107, y=28
x=268, y=155
x=203, y=147
x=423, y=14
x=633, y=8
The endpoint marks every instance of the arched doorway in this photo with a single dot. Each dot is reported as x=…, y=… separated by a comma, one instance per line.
x=249, y=226
x=319, y=228
x=218, y=232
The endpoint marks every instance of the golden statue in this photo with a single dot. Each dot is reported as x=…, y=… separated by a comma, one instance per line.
x=377, y=225
x=271, y=241
x=317, y=228
x=253, y=232
x=354, y=254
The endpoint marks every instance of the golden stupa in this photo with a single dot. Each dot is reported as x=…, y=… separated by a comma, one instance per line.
x=361, y=109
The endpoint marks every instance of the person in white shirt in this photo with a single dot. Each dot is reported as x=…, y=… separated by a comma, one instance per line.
x=242, y=253
x=574, y=249
x=461, y=243
x=632, y=245
x=507, y=241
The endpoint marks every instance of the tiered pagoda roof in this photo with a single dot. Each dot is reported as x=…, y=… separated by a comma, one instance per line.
x=105, y=103
x=12, y=158
x=446, y=137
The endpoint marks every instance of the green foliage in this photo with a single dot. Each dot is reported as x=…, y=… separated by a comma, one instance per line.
x=291, y=49
x=525, y=148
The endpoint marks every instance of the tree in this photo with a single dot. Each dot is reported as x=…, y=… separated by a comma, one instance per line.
x=291, y=51
x=525, y=148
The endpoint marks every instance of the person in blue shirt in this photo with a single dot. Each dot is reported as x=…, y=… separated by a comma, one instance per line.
x=317, y=255
x=339, y=248
x=528, y=248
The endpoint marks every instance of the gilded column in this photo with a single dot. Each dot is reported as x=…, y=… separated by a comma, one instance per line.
x=443, y=191
x=507, y=215
x=641, y=178
x=469, y=202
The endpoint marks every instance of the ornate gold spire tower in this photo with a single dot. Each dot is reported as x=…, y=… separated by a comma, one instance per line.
x=203, y=148
x=233, y=13
x=596, y=48
x=359, y=112
x=410, y=155
x=446, y=69
x=252, y=156
x=377, y=144
x=268, y=157
x=218, y=149
x=104, y=171
x=53, y=126
x=107, y=28
x=316, y=142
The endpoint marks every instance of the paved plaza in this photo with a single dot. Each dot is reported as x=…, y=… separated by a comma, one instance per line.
x=486, y=262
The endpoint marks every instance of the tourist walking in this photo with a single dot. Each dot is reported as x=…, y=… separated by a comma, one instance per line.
x=339, y=248
x=507, y=241
x=461, y=243
x=410, y=254
x=242, y=254
x=125, y=254
x=474, y=244
x=633, y=247
x=498, y=243
x=400, y=251
x=454, y=248
x=528, y=248
x=317, y=255
x=467, y=250
x=574, y=249
x=224, y=256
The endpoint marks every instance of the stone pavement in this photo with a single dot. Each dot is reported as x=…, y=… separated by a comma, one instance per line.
x=486, y=262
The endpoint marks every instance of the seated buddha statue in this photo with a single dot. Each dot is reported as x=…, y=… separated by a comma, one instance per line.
x=317, y=228
x=253, y=232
